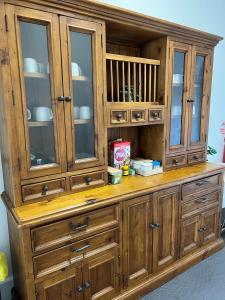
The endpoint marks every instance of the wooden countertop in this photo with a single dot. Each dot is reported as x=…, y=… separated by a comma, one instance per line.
x=63, y=206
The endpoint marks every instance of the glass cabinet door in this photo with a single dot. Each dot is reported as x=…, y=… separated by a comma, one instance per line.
x=179, y=77
x=37, y=59
x=199, y=97
x=82, y=71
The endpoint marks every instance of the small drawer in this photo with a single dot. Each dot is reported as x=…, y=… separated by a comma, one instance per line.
x=138, y=116
x=119, y=116
x=86, y=181
x=176, y=162
x=43, y=189
x=196, y=157
x=75, y=228
x=156, y=116
x=195, y=205
x=200, y=185
x=63, y=257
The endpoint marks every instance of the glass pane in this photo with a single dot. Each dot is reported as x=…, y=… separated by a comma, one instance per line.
x=177, y=98
x=198, y=93
x=83, y=108
x=34, y=39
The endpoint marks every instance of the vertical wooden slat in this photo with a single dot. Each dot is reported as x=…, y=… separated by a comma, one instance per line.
x=150, y=84
x=144, y=82
x=111, y=77
x=154, y=97
x=140, y=86
x=135, y=90
x=117, y=81
x=123, y=79
x=128, y=80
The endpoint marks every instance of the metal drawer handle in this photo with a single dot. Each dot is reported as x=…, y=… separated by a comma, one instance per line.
x=77, y=250
x=77, y=227
x=154, y=225
x=61, y=98
x=68, y=99
x=203, y=200
x=202, y=182
x=137, y=115
x=175, y=161
x=87, y=285
x=119, y=116
x=79, y=289
x=155, y=115
x=196, y=157
x=45, y=189
x=202, y=229
x=88, y=180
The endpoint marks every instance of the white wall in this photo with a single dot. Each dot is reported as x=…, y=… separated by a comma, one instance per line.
x=205, y=15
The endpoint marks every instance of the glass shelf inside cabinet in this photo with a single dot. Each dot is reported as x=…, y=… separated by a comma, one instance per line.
x=38, y=93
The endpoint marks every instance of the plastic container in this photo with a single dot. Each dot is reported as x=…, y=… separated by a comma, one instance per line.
x=115, y=175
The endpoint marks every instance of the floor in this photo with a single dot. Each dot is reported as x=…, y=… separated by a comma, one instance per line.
x=205, y=281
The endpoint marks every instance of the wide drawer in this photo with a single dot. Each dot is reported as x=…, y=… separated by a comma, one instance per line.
x=43, y=189
x=89, y=180
x=55, y=234
x=63, y=257
x=176, y=161
x=200, y=185
x=195, y=205
x=196, y=157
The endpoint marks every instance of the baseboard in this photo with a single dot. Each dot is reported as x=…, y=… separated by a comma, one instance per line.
x=5, y=288
x=170, y=272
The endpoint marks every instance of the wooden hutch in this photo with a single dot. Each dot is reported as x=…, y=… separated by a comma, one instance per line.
x=75, y=75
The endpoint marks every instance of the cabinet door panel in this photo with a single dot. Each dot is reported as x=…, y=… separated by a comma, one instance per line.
x=178, y=89
x=102, y=275
x=165, y=235
x=137, y=251
x=210, y=224
x=189, y=235
x=82, y=72
x=199, y=94
x=36, y=74
x=64, y=286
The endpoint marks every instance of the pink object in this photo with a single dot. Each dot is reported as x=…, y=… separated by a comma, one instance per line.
x=120, y=154
x=224, y=152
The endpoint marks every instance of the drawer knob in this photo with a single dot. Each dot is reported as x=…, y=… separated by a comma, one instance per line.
x=87, y=285
x=202, y=182
x=88, y=180
x=77, y=227
x=79, y=289
x=137, y=115
x=203, y=200
x=175, y=161
x=202, y=229
x=68, y=99
x=45, y=189
x=155, y=115
x=77, y=250
x=119, y=116
x=196, y=157
x=61, y=98
x=154, y=225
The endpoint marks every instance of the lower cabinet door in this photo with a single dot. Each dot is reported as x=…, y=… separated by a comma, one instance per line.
x=164, y=227
x=137, y=240
x=101, y=275
x=210, y=225
x=67, y=285
x=190, y=239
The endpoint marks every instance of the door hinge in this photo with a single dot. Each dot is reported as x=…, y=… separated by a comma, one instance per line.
x=13, y=98
x=6, y=23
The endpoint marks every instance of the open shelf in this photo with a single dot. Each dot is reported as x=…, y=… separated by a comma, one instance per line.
x=81, y=121
x=35, y=75
x=39, y=123
x=80, y=78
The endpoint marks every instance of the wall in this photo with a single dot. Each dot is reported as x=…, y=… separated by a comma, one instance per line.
x=202, y=14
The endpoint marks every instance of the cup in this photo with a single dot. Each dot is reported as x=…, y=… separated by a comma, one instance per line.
x=30, y=65
x=28, y=114
x=85, y=112
x=76, y=70
x=42, y=113
x=76, y=112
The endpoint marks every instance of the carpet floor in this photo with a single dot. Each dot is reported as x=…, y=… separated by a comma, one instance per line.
x=205, y=281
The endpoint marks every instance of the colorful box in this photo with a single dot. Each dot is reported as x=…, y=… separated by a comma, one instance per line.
x=120, y=154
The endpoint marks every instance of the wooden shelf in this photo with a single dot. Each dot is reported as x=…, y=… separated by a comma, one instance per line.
x=80, y=78
x=81, y=121
x=35, y=75
x=39, y=123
